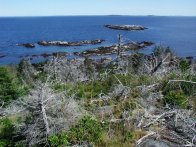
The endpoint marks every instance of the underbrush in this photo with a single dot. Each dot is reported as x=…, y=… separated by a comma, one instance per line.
x=11, y=87
x=116, y=107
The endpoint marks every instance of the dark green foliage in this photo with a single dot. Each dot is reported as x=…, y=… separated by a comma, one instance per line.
x=176, y=98
x=184, y=66
x=89, y=64
x=187, y=87
x=7, y=128
x=136, y=61
x=128, y=136
x=7, y=88
x=6, y=132
x=93, y=89
x=179, y=93
x=9, y=136
x=5, y=143
x=168, y=50
x=61, y=87
x=88, y=129
x=10, y=86
x=132, y=80
x=160, y=51
x=31, y=72
x=59, y=140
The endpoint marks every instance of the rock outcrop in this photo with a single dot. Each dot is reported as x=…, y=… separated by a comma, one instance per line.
x=27, y=45
x=2, y=55
x=126, y=27
x=108, y=50
x=65, y=43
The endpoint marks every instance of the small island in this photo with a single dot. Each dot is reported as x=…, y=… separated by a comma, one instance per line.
x=65, y=43
x=126, y=27
x=62, y=43
x=27, y=45
x=114, y=49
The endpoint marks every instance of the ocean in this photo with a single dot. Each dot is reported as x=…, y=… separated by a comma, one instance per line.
x=179, y=33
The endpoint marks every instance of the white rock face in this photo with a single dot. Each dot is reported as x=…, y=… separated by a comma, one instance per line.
x=126, y=27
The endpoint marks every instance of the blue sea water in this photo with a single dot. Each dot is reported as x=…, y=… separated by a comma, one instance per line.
x=177, y=32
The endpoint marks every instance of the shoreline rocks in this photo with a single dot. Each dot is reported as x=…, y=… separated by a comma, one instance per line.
x=65, y=43
x=109, y=50
x=2, y=55
x=126, y=27
x=27, y=45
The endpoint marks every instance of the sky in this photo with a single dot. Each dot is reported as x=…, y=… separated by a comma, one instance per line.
x=97, y=7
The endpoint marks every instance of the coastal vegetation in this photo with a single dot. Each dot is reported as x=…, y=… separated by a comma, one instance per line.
x=132, y=100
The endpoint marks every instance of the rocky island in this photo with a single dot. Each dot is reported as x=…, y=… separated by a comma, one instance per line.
x=27, y=45
x=126, y=27
x=2, y=55
x=62, y=43
x=113, y=49
x=65, y=43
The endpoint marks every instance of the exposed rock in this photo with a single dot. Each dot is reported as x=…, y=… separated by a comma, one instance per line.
x=27, y=45
x=58, y=43
x=2, y=56
x=65, y=43
x=108, y=50
x=126, y=27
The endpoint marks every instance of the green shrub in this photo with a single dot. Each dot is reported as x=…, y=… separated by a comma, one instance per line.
x=133, y=80
x=5, y=143
x=10, y=87
x=64, y=87
x=129, y=136
x=184, y=66
x=176, y=98
x=93, y=89
x=136, y=61
x=187, y=88
x=88, y=129
x=6, y=132
x=59, y=140
x=6, y=128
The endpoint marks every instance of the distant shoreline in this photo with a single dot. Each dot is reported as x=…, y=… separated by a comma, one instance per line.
x=110, y=15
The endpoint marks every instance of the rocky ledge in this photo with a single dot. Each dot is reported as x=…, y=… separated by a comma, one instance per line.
x=2, y=55
x=108, y=50
x=27, y=45
x=126, y=27
x=65, y=43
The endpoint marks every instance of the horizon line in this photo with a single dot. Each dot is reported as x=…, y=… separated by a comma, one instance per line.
x=150, y=15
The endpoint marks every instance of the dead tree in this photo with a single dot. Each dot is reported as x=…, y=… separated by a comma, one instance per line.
x=51, y=113
x=119, y=44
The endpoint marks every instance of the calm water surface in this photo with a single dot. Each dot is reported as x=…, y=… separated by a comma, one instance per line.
x=177, y=32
